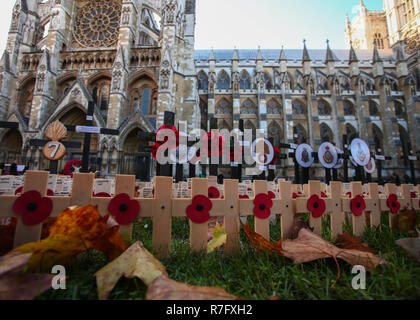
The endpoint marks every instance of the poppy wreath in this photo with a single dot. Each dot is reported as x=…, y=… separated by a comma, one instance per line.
x=357, y=205
x=316, y=206
x=271, y=195
x=33, y=208
x=393, y=204
x=124, y=209
x=277, y=153
x=69, y=166
x=213, y=193
x=262, y=206
x=209, y=140
x=199, y=210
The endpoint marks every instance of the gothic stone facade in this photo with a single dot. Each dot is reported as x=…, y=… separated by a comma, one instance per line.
x=62, y=53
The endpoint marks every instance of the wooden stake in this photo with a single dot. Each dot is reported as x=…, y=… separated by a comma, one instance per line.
x=198, y=232
x=126, y=184
x=262, y=226
x=231, y=193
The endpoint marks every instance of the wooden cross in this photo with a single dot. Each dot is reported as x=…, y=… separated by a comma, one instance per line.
x=405, y=202
x=333, y=206
x=372, y=206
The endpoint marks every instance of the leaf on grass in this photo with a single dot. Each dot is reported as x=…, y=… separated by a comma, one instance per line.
x=219, y=238
x=135, y=262
x=309, y=247
x=298, y=225
x=407, y=220
x=411, y=245
x=14, y=284
x=164, y=288
x=259, y=242
x=76, y=230
x=346, y=241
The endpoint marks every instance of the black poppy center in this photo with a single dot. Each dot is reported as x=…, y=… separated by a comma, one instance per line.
x=394, y=204
x=316, y=205
x=358, y=205
x=262, y=206
x=211, y=195
x=200, y=208
x=32, y=206
x=123, y=207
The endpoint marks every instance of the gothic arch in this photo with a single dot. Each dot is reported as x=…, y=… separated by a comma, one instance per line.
x=374, y=109
x=11, y=144
x=224, y=107
x=326, y=133
x=25, y=97
x=324, y=108
x=223, y=80
x=351, y=132
x=248, y=107
x=245, y=82
x=140, y=74
x=378, y=137
x=275, y=132
x=203, y=80
x=299, y=134
x=348, y=108
x=299, y=107
x=274, y=107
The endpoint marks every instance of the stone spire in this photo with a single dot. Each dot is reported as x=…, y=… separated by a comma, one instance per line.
x=283, y=61
x=305, y=56
x=352, y=56
x=282, y=54
x=212, y=58
x=378, y=65
x=330, y=57
x=362, y=7
x=402, y=67
x=259, y=54
x=259, y=61
x=235, y=55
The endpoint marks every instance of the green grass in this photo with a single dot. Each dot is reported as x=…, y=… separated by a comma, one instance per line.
x=255, y=275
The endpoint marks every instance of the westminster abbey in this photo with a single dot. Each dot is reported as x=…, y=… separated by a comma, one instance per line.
x=136, y=59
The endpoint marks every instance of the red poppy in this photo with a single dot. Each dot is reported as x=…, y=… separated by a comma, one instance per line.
x=173, y=144
x=18, y=191
x=210, y=141
x=213, y=193
x=349, y=194
x=155, y=148
x=413, y=195
x=124, y=209
x=271, y=194
x=277, y=153
x=50, y=193
x=358, y=205
x=33, y=208
x=393, y=203
x=295, y=195
x=243, y=196
x=262, y=206
x=316, y=206
x=101, y=195
x=69, y=167
x=324, y=195
x=199, y=211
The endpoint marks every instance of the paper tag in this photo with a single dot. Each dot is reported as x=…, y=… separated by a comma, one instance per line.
x=263, y=168
x=346, y=187
x=234, y=164
x=272, y=167
x=52, y=182
x=6, y=182
x=242, y=189
x=103, y=186
x=293, y=146
x=147, y=193
x=244, y=143
x=381, y=158
x=412, y=158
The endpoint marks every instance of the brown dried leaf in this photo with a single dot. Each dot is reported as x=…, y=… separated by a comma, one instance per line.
x=346, y=241
x=309, y=247
x=259, y=242
x=411, y=245
x=298, y=225
x=407, y=220
x=14, y=285
x=135, y=262
x=164, y=288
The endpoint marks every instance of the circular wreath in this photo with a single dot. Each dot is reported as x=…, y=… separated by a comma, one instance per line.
x=68, y=168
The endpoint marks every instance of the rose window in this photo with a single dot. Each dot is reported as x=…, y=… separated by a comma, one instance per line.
x=97, y=24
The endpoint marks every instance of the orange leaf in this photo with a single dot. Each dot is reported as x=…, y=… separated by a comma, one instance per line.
x=346, y=241
x=76, y=230
x=259, y=242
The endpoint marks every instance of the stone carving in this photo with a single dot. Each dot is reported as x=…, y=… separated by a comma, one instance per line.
x=164, y=82
x=15, y=17
x=126, y=15
x=169, y=10
x=40, y=79
x=116, y=80
x=75, y=93
x=212, y=81
x=235, y=82
x=97, y=24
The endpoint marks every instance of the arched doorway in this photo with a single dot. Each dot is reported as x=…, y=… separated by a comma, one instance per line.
x=11, y=147
x=132, y=160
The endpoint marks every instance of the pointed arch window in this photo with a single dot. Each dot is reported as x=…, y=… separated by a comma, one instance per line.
x=298, y=108
x=299, y=135
x=326, y=133
x=348, y=109
x=379, y=41
x=268, y=83
x=373, y=109
x=203, y=82
x=224, y=108
x=400, y=110
x=351, y=132
x=273, y=108
x=324, y=108
x=224, y=82
x=245, y=82
x=275, y=133
x=145, y=101
x=100, y=94
x=248, y=108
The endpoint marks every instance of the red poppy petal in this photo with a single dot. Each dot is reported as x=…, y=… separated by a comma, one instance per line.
x=21, y=203
x=271, y=194
x=196, y=216
x=43, y=211
x=129, y=216
x=213, y=193
x=18, y=190
x=294, y=195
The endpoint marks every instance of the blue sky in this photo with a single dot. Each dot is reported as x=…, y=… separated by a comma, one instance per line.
x=248, y=24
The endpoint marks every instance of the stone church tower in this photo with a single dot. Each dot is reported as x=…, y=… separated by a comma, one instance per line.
x=134, y=58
